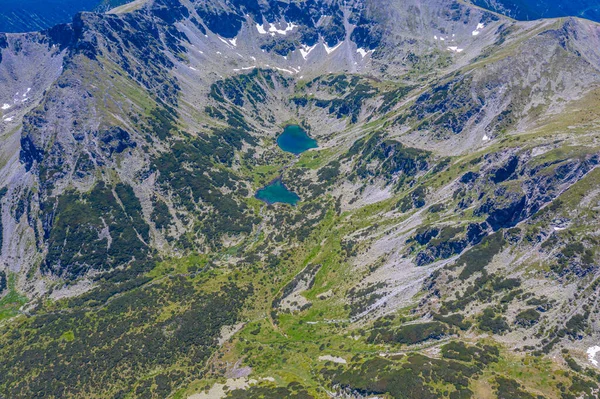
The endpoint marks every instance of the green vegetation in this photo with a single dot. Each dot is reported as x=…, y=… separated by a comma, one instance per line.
x=477, y=258
x=12, y=300
x=195, y=281
x=410, y=334
x=170, y=326
x=83, y=224
x=293, y=390
x=489, y=321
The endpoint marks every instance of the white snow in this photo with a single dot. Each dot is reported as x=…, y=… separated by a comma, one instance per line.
x=332, y=49
x=193, y=69
x=233, y=41
x=218, y=52
x=591, y=352
x=434, y=37
x=27, y=91
x=201, y=52
x=5, y=106
x=477, y=30
x=334, y=359
x=261, y=29
x=485, y=137
x=244, y=68
x=363, y=52
x=305, y=50
x=224, y=41
x=7, y=119
x=442, y=39
x=455, y=49
x=285, y=70
x=559, y=228
x=289, y=27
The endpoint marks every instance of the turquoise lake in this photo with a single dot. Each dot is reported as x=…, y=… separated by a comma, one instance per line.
x=276, y=191
x=295, y=140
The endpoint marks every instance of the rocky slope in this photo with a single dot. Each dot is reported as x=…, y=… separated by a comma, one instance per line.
x=445, y=241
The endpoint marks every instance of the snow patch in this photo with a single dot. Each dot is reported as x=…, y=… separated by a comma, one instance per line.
x=455, y=49
x=285, y=70
x=477, y=30
x=193, y=69
x=485, y=138
x=5, y=106
x=289, y=27
x=362, y=52
x=8, y=119
x=332, y=49
x=334, y=359
x=305, y=50
x=591, y=352
x=261, y=29
x=244, y=68
x=230, y=43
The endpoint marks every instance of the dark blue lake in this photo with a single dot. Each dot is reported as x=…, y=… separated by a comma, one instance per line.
x=276, y=191
x=295, y=140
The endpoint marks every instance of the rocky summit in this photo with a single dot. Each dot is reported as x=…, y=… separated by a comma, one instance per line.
x=300, y=199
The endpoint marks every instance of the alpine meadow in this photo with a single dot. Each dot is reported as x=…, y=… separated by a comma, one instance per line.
x=303, y=199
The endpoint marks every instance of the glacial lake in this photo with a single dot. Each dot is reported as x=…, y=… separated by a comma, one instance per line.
x=295, y=140
x=276, y=191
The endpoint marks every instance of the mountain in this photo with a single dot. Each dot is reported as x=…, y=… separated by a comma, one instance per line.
x=440, y=240
x=35, y=15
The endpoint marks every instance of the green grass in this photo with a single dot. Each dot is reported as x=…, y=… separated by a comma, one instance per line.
x=314, y=159
x=11, y=302
x=179, y=266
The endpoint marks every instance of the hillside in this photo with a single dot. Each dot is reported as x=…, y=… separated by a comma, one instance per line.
x=428, y=229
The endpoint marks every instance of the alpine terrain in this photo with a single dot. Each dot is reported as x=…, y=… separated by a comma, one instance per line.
x=300, y=199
